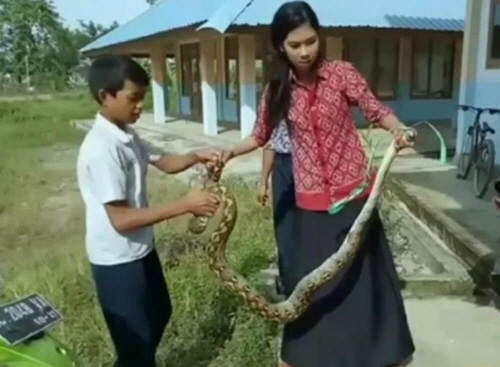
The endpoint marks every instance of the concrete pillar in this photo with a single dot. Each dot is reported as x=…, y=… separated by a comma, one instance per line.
x=405, y=70
x=158, y=85
x=468, y=72
x=334, y=48
x=248, y=89
x=208, y=85
x=456, y=76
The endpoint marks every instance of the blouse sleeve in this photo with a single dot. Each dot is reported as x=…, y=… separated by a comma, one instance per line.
x=263, y=130
x=359, y=94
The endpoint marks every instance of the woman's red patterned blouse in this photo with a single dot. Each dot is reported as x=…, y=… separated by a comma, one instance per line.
x=328, y=158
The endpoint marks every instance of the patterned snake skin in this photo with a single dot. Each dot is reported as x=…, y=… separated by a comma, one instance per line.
x=300, y=298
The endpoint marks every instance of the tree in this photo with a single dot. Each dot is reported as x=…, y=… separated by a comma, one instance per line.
x=92, y=30
x=29, y=28
x=36, y=48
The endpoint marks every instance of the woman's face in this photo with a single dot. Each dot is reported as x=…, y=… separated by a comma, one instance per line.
x=301, y=47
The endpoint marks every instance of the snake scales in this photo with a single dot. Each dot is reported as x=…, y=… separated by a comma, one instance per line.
x=291, y=308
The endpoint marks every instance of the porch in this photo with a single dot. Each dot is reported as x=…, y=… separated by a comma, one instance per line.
x=218, y=80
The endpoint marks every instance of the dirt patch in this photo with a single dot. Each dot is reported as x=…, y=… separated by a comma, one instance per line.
x=59, y=158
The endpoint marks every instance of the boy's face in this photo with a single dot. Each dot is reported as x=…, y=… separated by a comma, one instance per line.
x=126, y=107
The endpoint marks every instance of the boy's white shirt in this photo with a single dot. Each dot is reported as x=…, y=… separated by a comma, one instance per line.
x=112, y=166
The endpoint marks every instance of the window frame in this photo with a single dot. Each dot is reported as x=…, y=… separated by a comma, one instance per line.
x=430, y=48
x=491, y=62
x=375, y=49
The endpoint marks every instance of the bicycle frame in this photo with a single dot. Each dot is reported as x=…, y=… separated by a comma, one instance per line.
x=479, y=134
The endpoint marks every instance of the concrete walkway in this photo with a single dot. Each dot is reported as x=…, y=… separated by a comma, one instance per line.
x=454, y=333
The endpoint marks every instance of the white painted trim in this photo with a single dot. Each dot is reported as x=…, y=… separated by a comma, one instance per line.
x=158, y=60
x=208, y=91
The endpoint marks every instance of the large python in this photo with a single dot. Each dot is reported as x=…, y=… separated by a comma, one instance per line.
x=299, y=300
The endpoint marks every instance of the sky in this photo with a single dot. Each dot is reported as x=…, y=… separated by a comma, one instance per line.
x=99, y=11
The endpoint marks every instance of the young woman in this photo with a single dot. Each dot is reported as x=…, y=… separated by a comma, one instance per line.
x=276, y=158
x=358, y=319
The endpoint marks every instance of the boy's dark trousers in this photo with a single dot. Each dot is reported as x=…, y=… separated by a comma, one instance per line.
x=136, y=305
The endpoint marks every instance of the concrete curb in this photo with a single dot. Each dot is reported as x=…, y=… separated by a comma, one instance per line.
x=478, y=259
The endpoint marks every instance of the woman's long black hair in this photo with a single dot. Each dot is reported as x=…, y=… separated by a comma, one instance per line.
x=287, y=18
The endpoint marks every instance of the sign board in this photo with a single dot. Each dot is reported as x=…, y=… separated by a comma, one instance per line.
x=25, y=318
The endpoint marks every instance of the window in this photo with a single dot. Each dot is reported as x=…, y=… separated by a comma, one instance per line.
x=432, y=64
x=378, y=61
x=493, y=57
x=231, y=67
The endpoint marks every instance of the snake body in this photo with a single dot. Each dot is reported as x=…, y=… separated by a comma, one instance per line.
x=291, y=308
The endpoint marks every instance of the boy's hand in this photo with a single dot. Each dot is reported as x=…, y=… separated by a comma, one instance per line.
x=202, y=203
x=226, y=155
x=263, y=193
x=206, y=155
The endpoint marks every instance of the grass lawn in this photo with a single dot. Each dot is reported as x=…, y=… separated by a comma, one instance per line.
x=42, y=247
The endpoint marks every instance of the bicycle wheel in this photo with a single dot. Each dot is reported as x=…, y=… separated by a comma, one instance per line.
x=465, y=158
x=484, y=167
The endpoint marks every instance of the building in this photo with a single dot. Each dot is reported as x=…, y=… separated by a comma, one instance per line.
x=480, y=79
x=409, y=51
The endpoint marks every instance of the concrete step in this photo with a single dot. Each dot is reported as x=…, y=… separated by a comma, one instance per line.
x=477, y=258
x=425, y=265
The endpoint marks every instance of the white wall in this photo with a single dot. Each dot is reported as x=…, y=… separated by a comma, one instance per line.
x=480, y=86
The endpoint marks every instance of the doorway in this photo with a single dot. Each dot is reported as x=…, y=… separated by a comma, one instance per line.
x=191, y=105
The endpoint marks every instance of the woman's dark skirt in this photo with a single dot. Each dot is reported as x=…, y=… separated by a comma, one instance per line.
x=357, y=319
x=283, y=207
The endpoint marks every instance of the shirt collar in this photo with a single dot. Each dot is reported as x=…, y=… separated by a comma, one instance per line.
x=322, y=70
x=104, y=124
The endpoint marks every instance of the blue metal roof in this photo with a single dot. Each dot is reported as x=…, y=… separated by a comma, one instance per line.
x=396, y=21
x=413, y=14
x=438, y=15
x=164, y=16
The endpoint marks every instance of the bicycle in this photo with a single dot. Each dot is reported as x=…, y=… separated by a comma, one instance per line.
x=478, y=150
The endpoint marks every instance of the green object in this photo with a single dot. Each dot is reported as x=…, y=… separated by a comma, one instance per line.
x=443, y=154
x=43, y=352
x=339, y=205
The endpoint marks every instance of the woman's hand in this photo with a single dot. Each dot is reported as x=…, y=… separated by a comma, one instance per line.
x=263, y=193
x=208, y=155
x=403, y=138
x=227, y=154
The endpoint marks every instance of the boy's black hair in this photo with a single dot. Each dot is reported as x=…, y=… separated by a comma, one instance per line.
x=110, y=72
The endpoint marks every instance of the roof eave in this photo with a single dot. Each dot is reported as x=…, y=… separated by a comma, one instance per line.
x=89, y=50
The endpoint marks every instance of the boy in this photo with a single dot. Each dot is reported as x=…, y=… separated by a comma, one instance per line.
x=112, y=166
